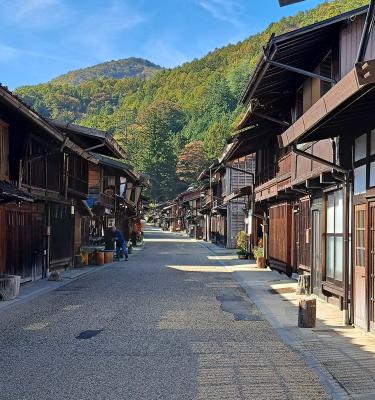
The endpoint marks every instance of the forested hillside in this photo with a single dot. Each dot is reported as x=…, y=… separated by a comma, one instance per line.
x=128, y=67
x=195, y=104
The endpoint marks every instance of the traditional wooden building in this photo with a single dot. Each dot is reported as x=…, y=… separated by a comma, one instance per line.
x=189, y=204
x=114, y=188
x=114, y=195
x=213, y=204
x=225, y=188
x=42, y=177
x=239, y=183
x=308, y=117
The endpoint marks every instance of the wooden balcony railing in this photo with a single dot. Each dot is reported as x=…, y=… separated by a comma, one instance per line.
x=282, y=167
x=78, y=185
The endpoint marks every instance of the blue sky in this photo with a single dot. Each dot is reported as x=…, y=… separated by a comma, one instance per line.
x=41, y=39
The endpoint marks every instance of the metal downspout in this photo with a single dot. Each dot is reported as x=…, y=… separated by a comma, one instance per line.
x=367, y=28
x=346, y=251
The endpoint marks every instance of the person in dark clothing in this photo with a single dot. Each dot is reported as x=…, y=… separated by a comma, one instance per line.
x=120, y=243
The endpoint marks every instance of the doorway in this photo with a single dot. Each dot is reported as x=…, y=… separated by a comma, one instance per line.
x=296, y=235
x=316, y=249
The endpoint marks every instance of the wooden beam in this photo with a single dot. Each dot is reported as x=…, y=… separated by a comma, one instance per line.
x=327, y=178
x=299, y=190
x=269, y=118
x=301, y=71
x=330, y=103
x=313, y=183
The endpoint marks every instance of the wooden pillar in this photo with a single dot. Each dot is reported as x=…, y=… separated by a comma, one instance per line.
x=346, y=250
x=265, y=236
x=48, y=239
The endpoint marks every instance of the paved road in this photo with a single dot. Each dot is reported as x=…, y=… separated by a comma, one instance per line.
x=152, y=328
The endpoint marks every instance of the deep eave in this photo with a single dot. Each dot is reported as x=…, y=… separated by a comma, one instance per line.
x=90, y=138
x=27, y=112
x=302, y=48
x=117, y=164
x=344, y=109
x=238, y=193
x=248, y=141
x=10, y=192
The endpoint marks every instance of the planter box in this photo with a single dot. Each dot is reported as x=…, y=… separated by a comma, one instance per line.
x=9, y=287
x=261, y=262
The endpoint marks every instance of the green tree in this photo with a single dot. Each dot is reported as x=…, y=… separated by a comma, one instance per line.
x=191, y=162
x=156, y=156
x=214, y=140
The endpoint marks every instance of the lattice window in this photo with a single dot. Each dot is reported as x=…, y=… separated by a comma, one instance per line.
x=4, y=151
x=334, y=237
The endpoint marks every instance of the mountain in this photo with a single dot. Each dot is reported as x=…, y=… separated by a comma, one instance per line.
x=203, y=94
x=128, y=67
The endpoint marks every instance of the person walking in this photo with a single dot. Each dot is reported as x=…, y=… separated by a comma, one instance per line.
x=120, y=243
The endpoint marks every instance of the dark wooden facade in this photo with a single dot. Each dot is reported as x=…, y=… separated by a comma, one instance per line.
x=47, y=178
x=48, y=175
x=315, y=178
x=114, y=188
x=114, y=197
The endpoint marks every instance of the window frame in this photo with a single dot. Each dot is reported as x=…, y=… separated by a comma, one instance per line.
x=367, y=160
x=334, y=235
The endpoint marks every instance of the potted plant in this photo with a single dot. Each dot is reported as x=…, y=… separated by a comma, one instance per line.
x=242, y=245
x=258, y=253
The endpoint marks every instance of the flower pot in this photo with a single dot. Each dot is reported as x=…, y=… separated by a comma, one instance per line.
x=99, y=258
x=9, y=286
x=242, y=256
x=261, y=262
x=108, y=256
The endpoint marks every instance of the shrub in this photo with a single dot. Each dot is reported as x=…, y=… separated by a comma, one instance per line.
x=258, y=251
x=241, y=242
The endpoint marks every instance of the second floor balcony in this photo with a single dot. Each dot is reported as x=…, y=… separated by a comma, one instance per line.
x=282, y=168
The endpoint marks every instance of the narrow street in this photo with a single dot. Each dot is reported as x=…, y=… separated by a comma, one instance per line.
x=152, y=328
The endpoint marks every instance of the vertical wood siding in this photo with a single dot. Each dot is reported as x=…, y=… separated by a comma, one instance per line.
x=61, y=234
x=21, y=240
x=236, y=180
x=280, y=230
x=3, y=237
x=350, y=37
x=304, y=233
x=372, y=265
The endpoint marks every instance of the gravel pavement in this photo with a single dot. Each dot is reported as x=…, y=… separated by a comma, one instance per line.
x=169, y=324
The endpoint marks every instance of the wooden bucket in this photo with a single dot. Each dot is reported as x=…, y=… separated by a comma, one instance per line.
x=99, y=258
x=108, y=256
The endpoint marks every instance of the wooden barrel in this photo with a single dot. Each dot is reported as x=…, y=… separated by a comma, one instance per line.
x=9, y=286
x=108, y=256
x=99, y=258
